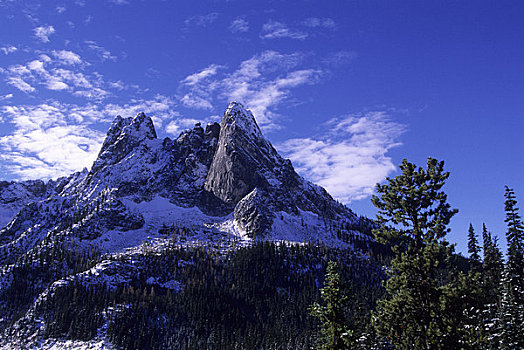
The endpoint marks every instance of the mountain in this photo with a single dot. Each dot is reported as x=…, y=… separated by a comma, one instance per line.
x=222, y=187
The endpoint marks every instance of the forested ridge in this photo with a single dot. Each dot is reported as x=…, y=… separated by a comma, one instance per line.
x=407, y=290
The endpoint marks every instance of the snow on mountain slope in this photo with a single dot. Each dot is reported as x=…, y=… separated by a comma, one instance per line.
x=220, y=187
x=227, y=176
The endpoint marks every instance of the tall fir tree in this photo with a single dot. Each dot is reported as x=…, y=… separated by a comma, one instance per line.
x=492, y=269
x=492, y=265
x=413, y=218
x=335, y=332
x=512, y=305
x=473, y=248
x=515, y=231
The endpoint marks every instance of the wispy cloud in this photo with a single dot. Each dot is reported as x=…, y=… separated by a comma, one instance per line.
x=55, y=139
x=339, y=58
x=8, y=49
x=239, y=25
x=261, y=82
x=179, y=124
x=49, y=73
x=196, y=78
x=200, y=88
x=43, y=32
x=193, y=100
x=67, y=57
x=201, y=20
x=45, y=144
x=314, y=22
x=278, y=30
x=20, y=84
x=351, y=157
x=101, y=52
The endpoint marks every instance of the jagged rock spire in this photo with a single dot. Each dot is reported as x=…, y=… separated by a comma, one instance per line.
x=123, y=136
x=241, y=155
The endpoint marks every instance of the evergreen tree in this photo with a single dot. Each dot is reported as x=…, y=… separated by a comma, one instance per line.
x=464, y=312
x=492, y=268
x=335, y=334
x=515, y=232
x=512, y=306
x=410, y=315
x=492, y=265
x=473, y=247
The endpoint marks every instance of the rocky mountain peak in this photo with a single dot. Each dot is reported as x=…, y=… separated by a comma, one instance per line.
x=124, y=135
x=242, y=155
x=237, y=119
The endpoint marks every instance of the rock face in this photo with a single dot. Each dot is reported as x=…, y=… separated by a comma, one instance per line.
x=228, y=172
x=123, y=136
x=242, y=156
x=221, y=186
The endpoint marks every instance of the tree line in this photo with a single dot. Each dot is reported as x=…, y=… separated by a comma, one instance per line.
x=431, y=300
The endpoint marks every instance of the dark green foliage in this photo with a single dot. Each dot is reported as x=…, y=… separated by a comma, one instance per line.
x=86, y=301
x=411, y=315
x=515, y=232
x=34, y=271
x=492, y=266
x=512, y=303
x=473, y=248
x=335, y=331
x=463, y=313
x=415, y=204
x=250, y=298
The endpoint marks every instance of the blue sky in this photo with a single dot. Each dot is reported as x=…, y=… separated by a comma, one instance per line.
x=345, y=89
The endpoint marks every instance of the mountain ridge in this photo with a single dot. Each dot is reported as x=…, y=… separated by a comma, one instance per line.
x=227, y=170
x=220, y=188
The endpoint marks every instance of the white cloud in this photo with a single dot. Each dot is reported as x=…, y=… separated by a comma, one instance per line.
x=119, y=2
x=55, y=139
x=43, y=32
x=61, y=8
x=239, y=25
x=314, y=22
x=195, y=101
x=8, y=49
x=201, y=20
x=278, y=30
x=261, y=83
x=102, y=52
x=56, y=85
x=47, y=143
x=339, y=58
x=67, y=57
x=52, y=152
x=250, y=84
x=119, y=85
x=44, y=72
x=20, y=84
x=351, y=158
x=195, y=78
x=6, y=97
x=179, y=124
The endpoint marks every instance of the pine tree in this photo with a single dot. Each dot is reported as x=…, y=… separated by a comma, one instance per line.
x=492, y=268
x=473, y=247
x=512, y=306
x=515, y=232
x=492, y=265
x=464, y=312
x=335, y=334
x=413, y=202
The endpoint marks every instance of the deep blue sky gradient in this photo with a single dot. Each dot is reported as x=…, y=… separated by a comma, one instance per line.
x=450, y=72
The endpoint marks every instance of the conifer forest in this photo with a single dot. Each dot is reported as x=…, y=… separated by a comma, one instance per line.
x=406, y=289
